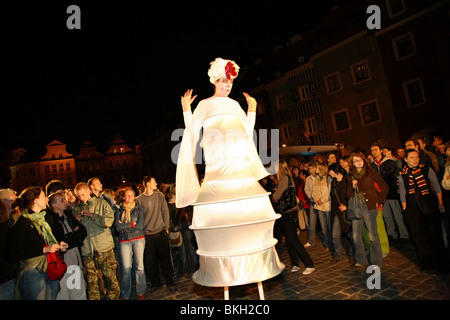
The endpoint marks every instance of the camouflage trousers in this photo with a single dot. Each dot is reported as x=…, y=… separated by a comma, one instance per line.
x=105, y=263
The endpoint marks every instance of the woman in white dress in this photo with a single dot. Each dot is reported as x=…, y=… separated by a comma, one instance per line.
x=233, y=216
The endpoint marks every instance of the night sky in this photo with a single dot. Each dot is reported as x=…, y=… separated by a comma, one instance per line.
x=125, y=70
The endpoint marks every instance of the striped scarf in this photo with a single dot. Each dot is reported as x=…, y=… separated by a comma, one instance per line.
x=416, y=178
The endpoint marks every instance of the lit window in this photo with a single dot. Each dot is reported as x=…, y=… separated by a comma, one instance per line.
x=360, y=72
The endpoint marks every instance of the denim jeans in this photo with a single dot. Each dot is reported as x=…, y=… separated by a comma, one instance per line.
x=7, y=290
x=370, y=220
x=34, y=285
x=324, y=219
x=337, y=241
x=132, y=257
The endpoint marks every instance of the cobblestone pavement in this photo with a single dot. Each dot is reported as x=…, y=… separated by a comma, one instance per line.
x=401, y=279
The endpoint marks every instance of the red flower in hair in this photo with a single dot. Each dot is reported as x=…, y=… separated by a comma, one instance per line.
x=230, y=70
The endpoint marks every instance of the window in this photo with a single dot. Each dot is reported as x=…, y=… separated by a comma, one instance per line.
x=122, y=150
x=333, y=82
x=68, y=166
x=310, y=126
x=69, y=180
x=303, y=93
x=369, y=112
x=341, y=121
x=32, y=173
x=53, y=156
x=360, y=72
x=53, y=167
x=47, y=169
x=280, y=101
x=60, y=155
x=287, y=131
x=61, y=167
x=117, y=163
x=395, y=7
x=414, y=93
x=404, y=46
x=260, y=109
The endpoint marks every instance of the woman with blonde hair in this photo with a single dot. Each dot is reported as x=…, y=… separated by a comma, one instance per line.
x=289, y=222
x=322, y=203
x=129, y=223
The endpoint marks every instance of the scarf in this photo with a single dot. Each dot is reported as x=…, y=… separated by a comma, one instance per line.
x=41, y=226
x=416, y=177
x=127, y=211
x=358, y=176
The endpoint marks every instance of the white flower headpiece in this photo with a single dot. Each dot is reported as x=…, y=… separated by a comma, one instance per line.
x=221, y=68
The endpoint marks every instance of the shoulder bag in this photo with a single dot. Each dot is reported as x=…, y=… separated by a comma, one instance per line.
x=288, y=199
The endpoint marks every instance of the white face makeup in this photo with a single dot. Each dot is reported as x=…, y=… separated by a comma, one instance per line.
x=223, y=87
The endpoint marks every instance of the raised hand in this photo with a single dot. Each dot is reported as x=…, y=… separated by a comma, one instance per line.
x=186, y=100
x=251, y=102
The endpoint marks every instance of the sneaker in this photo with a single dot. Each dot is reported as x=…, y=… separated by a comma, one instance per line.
x=295, y=269
x=306, y=245
x=309, y=270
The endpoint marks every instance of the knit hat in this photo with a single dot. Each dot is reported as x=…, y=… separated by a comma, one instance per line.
x=221, y=68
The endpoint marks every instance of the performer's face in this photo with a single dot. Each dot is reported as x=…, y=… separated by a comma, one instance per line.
x=223, y=87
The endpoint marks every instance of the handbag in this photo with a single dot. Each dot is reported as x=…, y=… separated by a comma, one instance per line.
x=355, y=206
x=56, y=266
x=288, y=199
x=175, y=239
x=344, y=225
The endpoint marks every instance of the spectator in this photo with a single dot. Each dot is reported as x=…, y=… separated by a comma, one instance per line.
x=309, y=183
x=322, y=203
x=339, y=202
x=68, y=229
x=30, y=240
x=437, y=141
x=156, y=230
x=289, y=222
x=97, y=251
x=419, y=181
x=331, y=158
x=295, y=177
x=423, y=148
x=175, y=215
x=7, y=196
x=446, y=195
x=8, y=270
x=365, y=177
x=129, y=223
x=388, y=152
x=345, y=164
x=71, y=198
x=424, y=158
x=391, y=209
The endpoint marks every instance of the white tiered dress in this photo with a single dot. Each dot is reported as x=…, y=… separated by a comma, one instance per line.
x=233, y=216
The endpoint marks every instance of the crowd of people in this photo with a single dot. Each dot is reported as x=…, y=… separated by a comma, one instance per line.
x=108, y=238
x=406, y=193
x=113, y=237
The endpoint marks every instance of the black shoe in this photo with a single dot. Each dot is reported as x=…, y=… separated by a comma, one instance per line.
x=172, y=288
